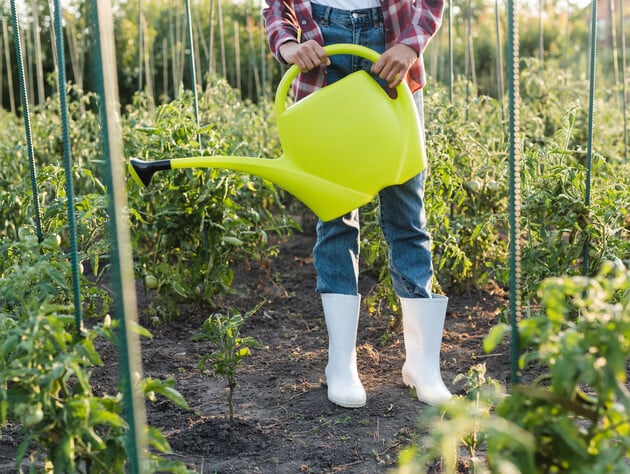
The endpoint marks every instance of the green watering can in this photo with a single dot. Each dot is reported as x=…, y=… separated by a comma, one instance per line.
x=342, y=144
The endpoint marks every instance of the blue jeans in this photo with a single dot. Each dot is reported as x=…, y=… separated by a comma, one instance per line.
x=401, y=207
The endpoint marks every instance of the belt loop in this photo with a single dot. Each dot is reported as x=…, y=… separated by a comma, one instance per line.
x=328, y=13
x=323, y=13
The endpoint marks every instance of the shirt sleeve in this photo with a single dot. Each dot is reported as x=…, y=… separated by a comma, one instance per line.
x=281, y=25
x=426, y=18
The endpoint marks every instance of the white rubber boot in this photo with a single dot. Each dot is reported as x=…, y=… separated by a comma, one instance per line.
x=342, y=320
x=423, y=323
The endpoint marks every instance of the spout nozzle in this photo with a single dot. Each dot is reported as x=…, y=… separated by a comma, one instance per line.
x=142, y=171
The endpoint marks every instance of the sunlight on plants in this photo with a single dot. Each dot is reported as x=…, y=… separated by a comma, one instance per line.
x=572, y=418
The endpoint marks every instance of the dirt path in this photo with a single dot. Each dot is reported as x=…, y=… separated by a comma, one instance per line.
x=285, y=423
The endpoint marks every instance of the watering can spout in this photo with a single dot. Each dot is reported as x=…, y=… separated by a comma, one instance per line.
x=326, y=198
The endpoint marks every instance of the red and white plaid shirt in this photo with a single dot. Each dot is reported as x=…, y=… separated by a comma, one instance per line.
x=411, y=22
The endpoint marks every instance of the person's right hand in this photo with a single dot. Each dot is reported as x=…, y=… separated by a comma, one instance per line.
x=306, y=56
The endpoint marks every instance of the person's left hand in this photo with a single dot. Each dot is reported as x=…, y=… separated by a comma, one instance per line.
x=394, y=63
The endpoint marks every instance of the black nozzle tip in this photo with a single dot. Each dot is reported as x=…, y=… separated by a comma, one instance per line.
x=142, y=171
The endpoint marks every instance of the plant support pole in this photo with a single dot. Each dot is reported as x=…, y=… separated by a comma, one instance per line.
x=122, y=269
x=591, y=113
x=67, y=159
x=515, y=185
x=7, y=57
x=623, y=83
x=193, y=67
x=27, y=120
x=500, y=79
x=450, y=51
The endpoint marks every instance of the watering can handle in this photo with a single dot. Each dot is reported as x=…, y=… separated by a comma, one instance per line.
x=341, y=48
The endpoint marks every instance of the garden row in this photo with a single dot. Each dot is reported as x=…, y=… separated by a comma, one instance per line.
x=192, y=226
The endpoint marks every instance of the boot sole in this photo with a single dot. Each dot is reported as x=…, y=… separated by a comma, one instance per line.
x=347, y=404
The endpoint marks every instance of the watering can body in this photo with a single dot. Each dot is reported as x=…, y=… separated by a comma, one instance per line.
x=341, y=145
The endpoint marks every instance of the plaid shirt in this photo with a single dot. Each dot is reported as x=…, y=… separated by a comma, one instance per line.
x=411, y=22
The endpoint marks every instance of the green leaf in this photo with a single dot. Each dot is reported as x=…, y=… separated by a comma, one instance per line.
x=243, y=352
x=157, y=440
x=165, y=388
x=88, y=350
x=140, y=330
x=21, y=450
x=546, y=395
x=232, y=241
x=9, y=345
x=567, y=432
x=495, y=337
x=99, y=415
x=94, y=440
x=179, y=288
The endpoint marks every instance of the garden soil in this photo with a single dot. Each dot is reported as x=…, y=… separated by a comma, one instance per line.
x=283, y=421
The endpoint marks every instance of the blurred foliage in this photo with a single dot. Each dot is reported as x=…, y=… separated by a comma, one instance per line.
x=573, y=417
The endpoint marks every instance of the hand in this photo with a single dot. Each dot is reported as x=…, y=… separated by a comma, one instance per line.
x=394, y=63
x=306, y=56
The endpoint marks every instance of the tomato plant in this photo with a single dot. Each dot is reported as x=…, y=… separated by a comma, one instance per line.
x=45, y=368
x=574, y=417
x=223, y=331
x=191, y=224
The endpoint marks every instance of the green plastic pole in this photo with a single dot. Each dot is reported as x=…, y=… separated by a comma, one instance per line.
x=450, y=51
x=515, y=186
x=623, y=85
x=500, y=79
x=67, y=160
x=469, y=73
x=591, y=114
x=541, y=34
x=193, y=67
x=27, y=120
x=122, y=270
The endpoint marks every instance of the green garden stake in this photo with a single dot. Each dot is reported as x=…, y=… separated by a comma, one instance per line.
x=514, y=198
x=27, y=121
x=341, y=145
x=67, y=162
x=122, y=281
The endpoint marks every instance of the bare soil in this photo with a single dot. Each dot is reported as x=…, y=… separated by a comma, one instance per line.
x=284, y=422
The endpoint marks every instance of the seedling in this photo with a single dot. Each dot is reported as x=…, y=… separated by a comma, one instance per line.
x=223, y=331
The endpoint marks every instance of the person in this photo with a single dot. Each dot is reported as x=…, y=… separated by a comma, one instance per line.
x=399, y=30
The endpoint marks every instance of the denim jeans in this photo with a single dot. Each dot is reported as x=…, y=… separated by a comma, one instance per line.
x=402, y=215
